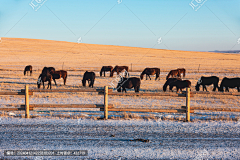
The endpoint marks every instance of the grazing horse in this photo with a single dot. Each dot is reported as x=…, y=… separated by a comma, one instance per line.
x=151, y=71
x=174, y=73
x=229, y=83
x=28, y=69
x=106, y=69
x=90, y=77
x=207, y=81
x=119, y=69
x=182, y=71
x=180, y=84
x=59, y=74
x=44, y=78
x=129, y=83
x=170, y=80
x=46, y=70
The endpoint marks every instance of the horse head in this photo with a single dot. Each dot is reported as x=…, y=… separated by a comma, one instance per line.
x=84, y=82
x=39, y=81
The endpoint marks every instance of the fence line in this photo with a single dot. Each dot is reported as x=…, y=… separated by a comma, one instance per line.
x=109, y=107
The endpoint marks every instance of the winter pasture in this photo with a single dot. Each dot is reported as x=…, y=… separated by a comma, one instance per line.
x=211, y=135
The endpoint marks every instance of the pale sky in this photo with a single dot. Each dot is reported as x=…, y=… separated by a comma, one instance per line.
x=207, y=25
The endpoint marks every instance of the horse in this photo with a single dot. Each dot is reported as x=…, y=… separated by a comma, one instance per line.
x=180, y=84
x=28, y=69
x=207, y=81
x=229, y=83
x=44, y=78
x=129, y=83
x=59, y=74
x=90, y=77
x=174, y=73
x=170, y=80
x=106, y=69
x=182, y=71
x=151, y=71
x=119, y=69
x=46, y=70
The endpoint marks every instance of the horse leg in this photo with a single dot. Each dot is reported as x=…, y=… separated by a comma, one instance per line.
x=43, y=85
x=204, y=87
x=124, y=89
x=149, y=77
x=64, y=80
x=55, y=81
x=146, y=76
x=30, y=73
x=104, y=73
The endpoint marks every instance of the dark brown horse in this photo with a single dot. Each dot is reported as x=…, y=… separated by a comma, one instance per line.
x=167, y=83
x=151, y=71
x=180, y=84
x=129, y=83
x=106, y=69
x=46, y=70
x=119, y=69
x=59, y=74
x=44, y=78
x=90, y=77
x=182, y=71
x=28, y=69
x=174, y=73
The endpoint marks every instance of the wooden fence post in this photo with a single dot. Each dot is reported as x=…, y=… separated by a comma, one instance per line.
x=26, y=102
x=188, y=105
x=105, y=102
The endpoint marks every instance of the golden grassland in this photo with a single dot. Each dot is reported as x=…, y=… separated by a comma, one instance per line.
x=76, y=58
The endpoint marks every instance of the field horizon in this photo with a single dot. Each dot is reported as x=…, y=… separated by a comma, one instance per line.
x=69, y=55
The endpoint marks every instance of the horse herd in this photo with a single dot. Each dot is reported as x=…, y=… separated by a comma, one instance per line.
x=49, y=73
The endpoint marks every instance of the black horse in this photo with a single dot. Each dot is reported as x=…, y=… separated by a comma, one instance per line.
x=106, y=69
x=129, y=83
x=207, y=81
x=170, y=80
x=229, y=83
x=28, y=69
x=44, y=78
x=90, y=77
x=180, y=84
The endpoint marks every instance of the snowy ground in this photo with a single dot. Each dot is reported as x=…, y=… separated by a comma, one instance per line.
x=112, y=139
x=13, y=80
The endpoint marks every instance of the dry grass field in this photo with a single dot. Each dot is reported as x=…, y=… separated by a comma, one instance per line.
x=76, y=58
